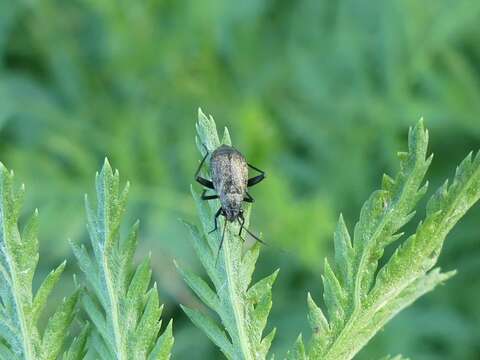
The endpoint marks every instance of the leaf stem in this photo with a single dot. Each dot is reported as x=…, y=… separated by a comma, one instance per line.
x=236, y=305
x=119, y=351
x=27, y=346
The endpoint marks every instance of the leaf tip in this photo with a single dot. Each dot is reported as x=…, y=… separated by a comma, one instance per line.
x=62, y=266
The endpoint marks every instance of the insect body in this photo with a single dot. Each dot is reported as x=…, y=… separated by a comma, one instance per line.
x=230, y=180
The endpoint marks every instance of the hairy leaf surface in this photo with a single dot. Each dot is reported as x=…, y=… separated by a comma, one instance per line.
x=20, y=309
x=360, y=298
x=123, y=308
x=242, y=308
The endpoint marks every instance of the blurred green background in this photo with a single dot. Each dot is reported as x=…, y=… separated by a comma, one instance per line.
x=320, y=94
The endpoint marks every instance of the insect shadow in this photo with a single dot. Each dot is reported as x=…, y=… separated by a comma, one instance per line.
x=230, y=180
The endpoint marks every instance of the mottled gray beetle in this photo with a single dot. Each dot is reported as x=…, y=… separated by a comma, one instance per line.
x=230, y=181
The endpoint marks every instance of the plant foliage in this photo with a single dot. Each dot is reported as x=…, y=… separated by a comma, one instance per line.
x=360, y=298
x=398, y=357
x=243, y=309
x=125, y=312
x=302, y=84
x=78, y=349
x=20, y=310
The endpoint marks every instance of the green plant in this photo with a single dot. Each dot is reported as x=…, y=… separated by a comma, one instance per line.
x=20, y=337
x=313, y=90
x=359, y=295
x=243, y=309
x=124, y=311
x=360, y=298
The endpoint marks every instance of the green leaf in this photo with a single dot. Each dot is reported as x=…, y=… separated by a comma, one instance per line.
x=343, y=252
x=212, y=330
x=242, y=308
x=57, y=327
x=44, y=291
x=78, y=348
x=420, y=252
x=123, y=308
x=298, y=352
x=201, y=288
x=360, y=299
x=163, y=346
x=19, y=308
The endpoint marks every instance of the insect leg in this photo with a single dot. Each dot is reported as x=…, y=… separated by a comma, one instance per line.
x=204, y=182
x=217, y=214
x=241, y=221
x=256, y=179
x=208, y=197
x=221, y=242
x=201, y=180
x=248, y=198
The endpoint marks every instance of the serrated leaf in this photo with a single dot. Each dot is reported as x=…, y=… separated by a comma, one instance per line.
x=243, y=308
x=417, y=288
x=20, y=309
x=360, y=298
x=420, y=252
x=124, y=312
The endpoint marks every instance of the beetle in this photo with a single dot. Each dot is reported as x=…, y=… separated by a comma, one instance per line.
x=230, y=180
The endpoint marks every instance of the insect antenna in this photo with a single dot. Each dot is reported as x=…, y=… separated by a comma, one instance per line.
x=242, y=227
x=221, y=241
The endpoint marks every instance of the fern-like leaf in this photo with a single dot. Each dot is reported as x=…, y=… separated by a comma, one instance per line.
x=19, y=309
x=359, y=301
x=124, y=311
x=243, y=309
